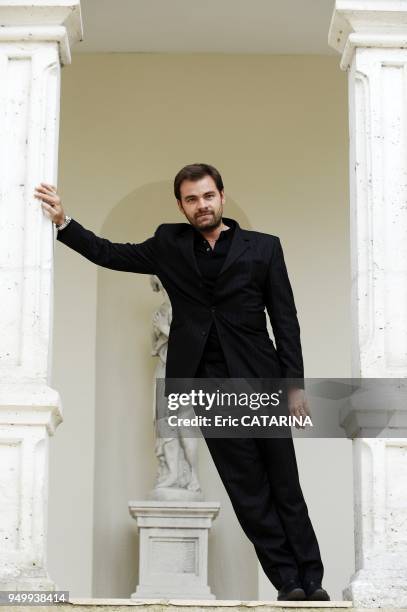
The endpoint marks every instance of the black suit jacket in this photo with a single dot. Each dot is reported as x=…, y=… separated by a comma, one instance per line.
x=253, y=278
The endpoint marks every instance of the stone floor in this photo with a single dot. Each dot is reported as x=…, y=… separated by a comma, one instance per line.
x=182, y=605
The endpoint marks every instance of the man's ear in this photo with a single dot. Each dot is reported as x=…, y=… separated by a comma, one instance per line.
x=222, y=195
x=180, y=206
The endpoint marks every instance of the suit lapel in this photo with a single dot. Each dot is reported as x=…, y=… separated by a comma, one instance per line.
x=238, y=245
x=186, y=245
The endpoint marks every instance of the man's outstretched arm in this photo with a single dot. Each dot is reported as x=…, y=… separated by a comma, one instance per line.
x=126, y=257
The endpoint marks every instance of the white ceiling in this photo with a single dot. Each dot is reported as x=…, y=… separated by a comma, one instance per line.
x=206, y=26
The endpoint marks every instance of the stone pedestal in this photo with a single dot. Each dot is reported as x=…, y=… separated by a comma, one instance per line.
x=35, y=39
x=173, y=548
x=371, y=35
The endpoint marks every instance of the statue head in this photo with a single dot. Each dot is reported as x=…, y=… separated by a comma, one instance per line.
x=157, y=285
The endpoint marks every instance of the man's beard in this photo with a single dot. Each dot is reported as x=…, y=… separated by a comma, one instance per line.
x=212, y=222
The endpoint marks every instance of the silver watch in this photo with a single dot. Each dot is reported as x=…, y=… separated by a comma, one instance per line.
x=64, y=224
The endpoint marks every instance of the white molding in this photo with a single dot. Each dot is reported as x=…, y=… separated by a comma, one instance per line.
x=59, y=21
x=367, y=23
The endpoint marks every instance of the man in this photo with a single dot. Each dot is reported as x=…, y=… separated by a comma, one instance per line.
x=220, y=279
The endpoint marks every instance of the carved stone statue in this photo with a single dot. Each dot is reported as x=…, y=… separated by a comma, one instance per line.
x=177, y=456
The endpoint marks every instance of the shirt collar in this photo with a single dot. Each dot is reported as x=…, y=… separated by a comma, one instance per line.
x=224, y=234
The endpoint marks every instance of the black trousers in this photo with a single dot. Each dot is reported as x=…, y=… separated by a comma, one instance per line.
x=261, y=478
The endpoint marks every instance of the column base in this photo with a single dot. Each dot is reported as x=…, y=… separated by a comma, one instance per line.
x=38, y=582
x=373, y=589
x=29, y=415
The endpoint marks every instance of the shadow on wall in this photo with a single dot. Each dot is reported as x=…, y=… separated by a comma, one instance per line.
x=155, y=203
x=125, y=463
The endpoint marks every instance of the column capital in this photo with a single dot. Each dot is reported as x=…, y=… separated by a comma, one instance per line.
x=367, y=23
x=42, y=20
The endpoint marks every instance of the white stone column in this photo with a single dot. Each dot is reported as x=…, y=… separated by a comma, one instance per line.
x=371, y=35
x=35, y=40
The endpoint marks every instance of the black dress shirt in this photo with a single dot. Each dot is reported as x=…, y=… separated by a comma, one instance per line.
x=210, y=262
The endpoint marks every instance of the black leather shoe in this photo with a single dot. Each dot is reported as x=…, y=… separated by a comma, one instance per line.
x=291, y=591
x=315, y=592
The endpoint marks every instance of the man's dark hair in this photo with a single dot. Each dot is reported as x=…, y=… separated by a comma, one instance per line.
x=194, y=172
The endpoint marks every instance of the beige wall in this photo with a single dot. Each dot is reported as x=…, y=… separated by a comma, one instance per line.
x=276, y=126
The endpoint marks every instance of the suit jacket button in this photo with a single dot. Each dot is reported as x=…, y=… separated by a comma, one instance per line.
x=203, y=332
